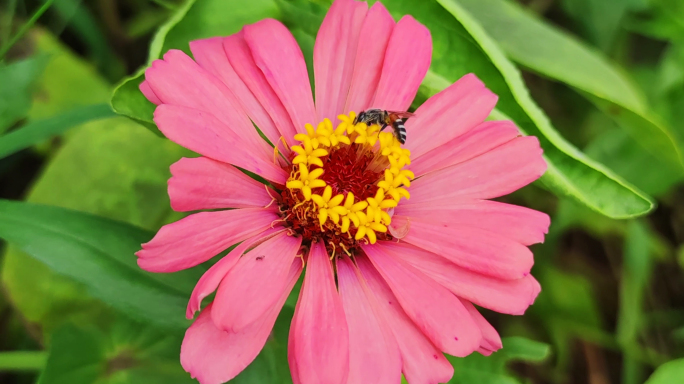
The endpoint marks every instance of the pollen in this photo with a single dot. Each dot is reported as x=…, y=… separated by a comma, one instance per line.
x=344, y=182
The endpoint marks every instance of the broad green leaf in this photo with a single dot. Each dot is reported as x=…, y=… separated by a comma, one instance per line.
x=79, y=19
x=568, y=309
x=130, y=353
x=622, y=154
x=74, y=358
x=110, y=168
x=18, y=80
x=492, y=370
x=68, y=82
x=668, y=373
x=663, y=20
x=127, y=100
x=550, y=51
x=600, y=19
x=570, y=215
x=98, y=253
x=197, y=19
x=124, y=352
x=22, y=361
x=34, y=133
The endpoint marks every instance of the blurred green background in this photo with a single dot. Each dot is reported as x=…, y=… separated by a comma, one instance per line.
x=600, y=82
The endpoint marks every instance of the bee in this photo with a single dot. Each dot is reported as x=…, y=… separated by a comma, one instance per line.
x=384, y=118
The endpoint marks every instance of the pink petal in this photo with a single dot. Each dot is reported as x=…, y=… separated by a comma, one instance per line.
x=255, y=283
x=201, y=236
x=471, y=248
x=491, y=341
x=148, y=92
x=212, y=278
x=406, y=62
x=180, y=81
x=373, y=352
x=213, y=356
x=319, y=333
x=201, y=132
x=449, y=114
x=521, y=224
x=334, y=55
x=276, y=52
x=201, y=183
x=436, y=311
x=498, y=172
x=482, y=139
x=241, y=59
x=369, y=58
x=422, y=362
x=210, y=55
x=505, y=296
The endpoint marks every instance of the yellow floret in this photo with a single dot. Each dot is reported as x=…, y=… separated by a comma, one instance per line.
x=329, y=206
x=306, y=180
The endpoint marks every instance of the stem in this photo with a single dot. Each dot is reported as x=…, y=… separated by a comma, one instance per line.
x=24, y=28
x=23, y=361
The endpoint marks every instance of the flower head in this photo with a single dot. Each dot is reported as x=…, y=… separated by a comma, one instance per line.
x=398, y=241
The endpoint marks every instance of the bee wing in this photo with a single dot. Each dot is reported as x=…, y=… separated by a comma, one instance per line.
x=402, y=115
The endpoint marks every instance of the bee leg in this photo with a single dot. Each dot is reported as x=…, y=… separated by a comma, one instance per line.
x=383, y=127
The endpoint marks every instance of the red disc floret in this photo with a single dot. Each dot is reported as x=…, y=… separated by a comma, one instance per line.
x=346, y=169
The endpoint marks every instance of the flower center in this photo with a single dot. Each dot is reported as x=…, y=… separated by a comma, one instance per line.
x=343, y=181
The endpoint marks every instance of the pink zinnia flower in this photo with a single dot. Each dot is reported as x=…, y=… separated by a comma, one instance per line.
x=399, y=241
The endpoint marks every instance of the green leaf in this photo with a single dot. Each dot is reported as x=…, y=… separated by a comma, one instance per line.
x=127, y=100
x=33, y=133
x=22, y=361
x=664, y=20
x=463, y=47
x=98, y=253
x=492, y=369
x=25, y=27
x=600, y=19
x=621, y=153
x=78, y=18
x=130, y=353
x=110, y=167
x=125, y=352
x=197, y=19
x=550, y=51
x=68, y=82
x=668, y=373
x=74, y=358
x=18, y=80
x=568, y=308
